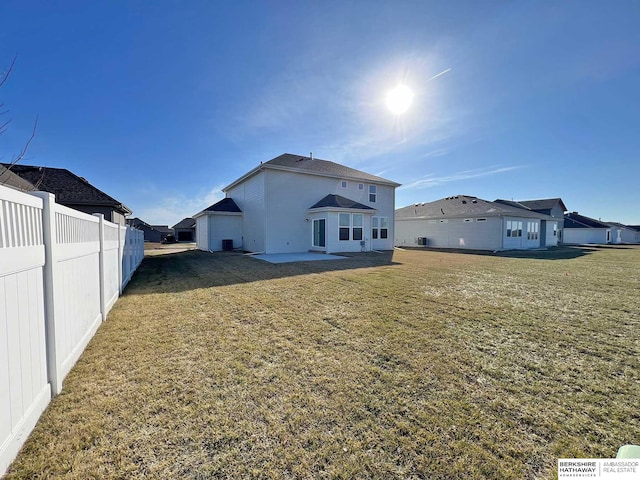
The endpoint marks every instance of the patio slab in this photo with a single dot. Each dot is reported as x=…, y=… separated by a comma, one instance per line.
x=296, y=257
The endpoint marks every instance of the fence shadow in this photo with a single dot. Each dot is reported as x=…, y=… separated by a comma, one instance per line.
x=194, y=269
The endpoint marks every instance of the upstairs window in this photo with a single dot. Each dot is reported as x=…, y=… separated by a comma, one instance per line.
x=372, y=193
x=344, y=184
x=361, y=186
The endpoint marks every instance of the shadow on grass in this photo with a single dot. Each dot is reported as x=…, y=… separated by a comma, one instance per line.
x=564, y=252
x=194, y=269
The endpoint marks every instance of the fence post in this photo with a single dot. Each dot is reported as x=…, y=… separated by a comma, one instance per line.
x=50, y=243
x=120, y=256
x=103, y=306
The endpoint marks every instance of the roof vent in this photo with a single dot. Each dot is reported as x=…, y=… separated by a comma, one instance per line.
x=464, y=202
x=474, y=201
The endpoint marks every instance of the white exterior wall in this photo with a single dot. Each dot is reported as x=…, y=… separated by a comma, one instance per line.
x=451, y=233
x=224, y=227
x=202, y=233
x=551, y=240
x=289, y=196
x=518, y=243
x=250, y=198
x=580, y=236
x=624, y=235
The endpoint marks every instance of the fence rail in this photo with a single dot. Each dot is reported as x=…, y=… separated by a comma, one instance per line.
x=61, y=271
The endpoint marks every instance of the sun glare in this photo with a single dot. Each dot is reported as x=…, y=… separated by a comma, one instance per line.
x=399, y=99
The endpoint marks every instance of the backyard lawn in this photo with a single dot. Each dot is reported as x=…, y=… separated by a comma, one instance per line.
x=406, y=364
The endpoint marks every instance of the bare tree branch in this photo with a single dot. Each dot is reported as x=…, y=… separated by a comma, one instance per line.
x=5, y=76
x=26, y=145
x=3, y=126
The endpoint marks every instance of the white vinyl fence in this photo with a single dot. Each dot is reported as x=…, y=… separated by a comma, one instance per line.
x=61, y=271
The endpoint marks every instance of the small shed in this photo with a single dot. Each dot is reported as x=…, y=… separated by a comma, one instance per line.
x=219, y=226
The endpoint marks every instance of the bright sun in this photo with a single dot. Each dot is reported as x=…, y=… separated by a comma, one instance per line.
x=399, y=99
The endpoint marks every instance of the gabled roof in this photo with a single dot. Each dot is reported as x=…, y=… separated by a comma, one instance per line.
x=185, y=223
x=141, y=224
x=337, y=201
x=460, y=206
x=535, y=205
x=619, y=225
x=224, y=205
x=313, y=166
x=575, y=220
x=162, y=228
x=68, y=188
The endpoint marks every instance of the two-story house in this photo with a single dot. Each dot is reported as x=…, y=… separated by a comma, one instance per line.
x=294, y=203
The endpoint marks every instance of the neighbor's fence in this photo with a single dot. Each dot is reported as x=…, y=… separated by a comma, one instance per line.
x=61, y=271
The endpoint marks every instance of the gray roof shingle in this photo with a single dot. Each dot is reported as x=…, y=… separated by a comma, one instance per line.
x=460, y=206
x=315, y=166
x=337, y=201
x=10, y=179
x=224, y=205
x=185, y=223
x=68, y=188
x=575, y=220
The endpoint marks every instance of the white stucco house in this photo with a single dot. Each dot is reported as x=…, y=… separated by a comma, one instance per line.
x=294, y=203
x=468, y=222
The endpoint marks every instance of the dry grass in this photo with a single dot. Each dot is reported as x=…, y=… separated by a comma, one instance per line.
x=418, y=364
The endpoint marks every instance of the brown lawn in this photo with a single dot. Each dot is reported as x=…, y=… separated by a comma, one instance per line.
x=411, y=364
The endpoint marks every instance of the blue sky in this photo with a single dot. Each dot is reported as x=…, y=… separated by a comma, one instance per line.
x=162, y=103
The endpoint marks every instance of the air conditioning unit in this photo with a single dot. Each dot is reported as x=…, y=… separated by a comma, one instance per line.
x=423, y=241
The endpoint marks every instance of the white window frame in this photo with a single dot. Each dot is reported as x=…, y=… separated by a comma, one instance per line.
x=378, y=224
x=344, y=184
x=342, y=226
x=514, y=229
x=373, y=193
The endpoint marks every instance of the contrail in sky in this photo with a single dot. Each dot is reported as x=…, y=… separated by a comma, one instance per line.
x=441, y=73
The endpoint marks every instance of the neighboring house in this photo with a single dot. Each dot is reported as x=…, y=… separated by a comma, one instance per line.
x=553, y=207
x=471, y=223
x=621, y=233
x=151, y=234
x=10, y=179
x=185, y=230
x=579, y=230
x=70, y=190
x=294, y=203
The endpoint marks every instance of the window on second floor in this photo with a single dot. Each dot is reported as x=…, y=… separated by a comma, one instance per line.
x=373, y=192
